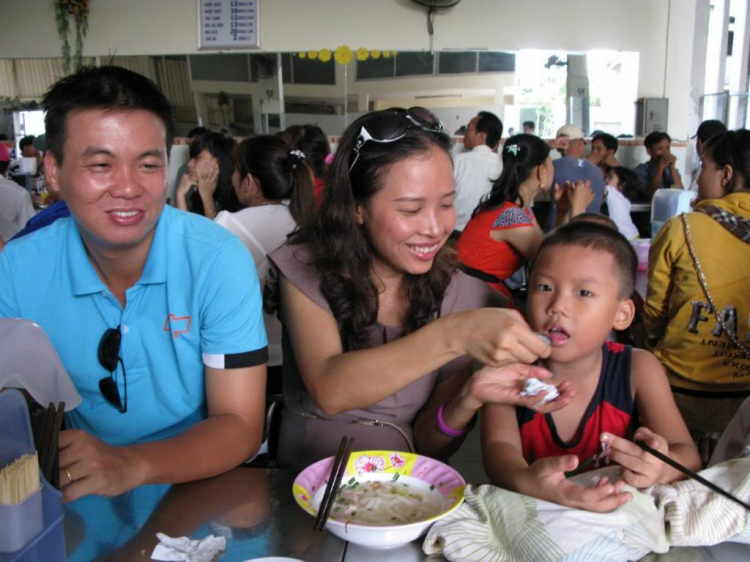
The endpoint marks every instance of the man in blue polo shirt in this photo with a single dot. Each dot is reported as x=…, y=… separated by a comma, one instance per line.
x=573, y=167
x=155, y=313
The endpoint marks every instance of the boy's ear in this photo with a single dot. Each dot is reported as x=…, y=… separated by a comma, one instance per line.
x=625, y=314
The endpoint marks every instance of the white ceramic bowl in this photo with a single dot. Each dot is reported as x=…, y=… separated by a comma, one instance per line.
x=418, y=471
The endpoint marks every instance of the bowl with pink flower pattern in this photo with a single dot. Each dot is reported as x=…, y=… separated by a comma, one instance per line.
x=386, y=498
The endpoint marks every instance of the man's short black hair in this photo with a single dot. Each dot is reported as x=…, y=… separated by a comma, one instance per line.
x=197, y=131
x=530, y=124
x=710, y=128
x=596, y=236
x=610, y=142
x=655, y=138
x=110, y=88
x=26, y=141
x=490, y=124
x=596, y=218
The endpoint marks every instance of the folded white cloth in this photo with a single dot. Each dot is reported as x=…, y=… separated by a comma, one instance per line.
x=188, y=550
x=500, y=525
x=697, y=516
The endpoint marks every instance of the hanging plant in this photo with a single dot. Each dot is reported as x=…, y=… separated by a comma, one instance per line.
x=79, y=10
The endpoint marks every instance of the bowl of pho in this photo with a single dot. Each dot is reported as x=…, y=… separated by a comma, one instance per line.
x=386, y=498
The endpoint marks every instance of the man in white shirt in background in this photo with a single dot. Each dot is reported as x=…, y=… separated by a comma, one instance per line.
x=15, y=202
x=479, y=166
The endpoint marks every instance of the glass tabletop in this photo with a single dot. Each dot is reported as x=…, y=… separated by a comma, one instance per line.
x=252, y=508
x=255, y=511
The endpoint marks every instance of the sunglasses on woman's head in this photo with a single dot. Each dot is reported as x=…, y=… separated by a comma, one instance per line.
x=109, y=357
x=391, y=125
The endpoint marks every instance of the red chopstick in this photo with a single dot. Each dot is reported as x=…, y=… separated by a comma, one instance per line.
x=334, y=481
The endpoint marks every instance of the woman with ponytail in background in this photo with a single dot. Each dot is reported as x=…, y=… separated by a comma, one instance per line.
x=503, y=233
x=274, y=185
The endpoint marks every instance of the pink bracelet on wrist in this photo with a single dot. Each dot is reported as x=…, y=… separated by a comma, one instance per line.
x=444, y=428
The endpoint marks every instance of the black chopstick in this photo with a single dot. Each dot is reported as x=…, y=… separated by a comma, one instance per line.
x=52, y=453
x=44, y=447
x=329, y=485
x=334, y=480
x=686, y=471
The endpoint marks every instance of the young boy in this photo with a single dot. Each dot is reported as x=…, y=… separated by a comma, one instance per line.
x=580, y=288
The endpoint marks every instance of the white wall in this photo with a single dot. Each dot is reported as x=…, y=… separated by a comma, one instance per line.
x=146, y=27
x=170, y=27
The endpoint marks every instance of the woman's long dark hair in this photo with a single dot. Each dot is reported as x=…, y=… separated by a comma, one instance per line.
x=220, y=147
x=341, y=250
x=731, y=149
x=521, y=154
x=280, y=173
x=311, y=140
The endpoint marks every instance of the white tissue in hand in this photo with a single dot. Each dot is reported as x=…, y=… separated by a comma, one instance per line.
x=185, y=549
x=532, y=387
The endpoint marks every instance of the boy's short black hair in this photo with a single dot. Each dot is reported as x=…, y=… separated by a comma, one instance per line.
x=597, y=236
x=109, y=88
x=610, y=142
x=655, y=137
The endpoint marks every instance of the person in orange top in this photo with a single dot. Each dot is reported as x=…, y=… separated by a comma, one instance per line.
x=503, y=233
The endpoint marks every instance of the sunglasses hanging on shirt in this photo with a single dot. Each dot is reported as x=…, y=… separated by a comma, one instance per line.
x=109, y=357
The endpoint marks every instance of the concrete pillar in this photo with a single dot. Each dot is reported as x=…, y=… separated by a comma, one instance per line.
x=737, y=64
x=684, y=68
x=271, y=100
x=363, y=102
x=201, y=108
x=716, y=54
x=577, y=87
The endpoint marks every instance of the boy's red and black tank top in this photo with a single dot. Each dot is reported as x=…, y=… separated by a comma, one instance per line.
x=612, y=409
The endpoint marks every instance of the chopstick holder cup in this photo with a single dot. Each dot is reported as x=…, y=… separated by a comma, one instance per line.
x=19, y=522
x=31, y=529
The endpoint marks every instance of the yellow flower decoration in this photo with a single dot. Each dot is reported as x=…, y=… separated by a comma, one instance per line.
x=375, y=53
x=312, y=55
x=343, y=54
x=302, y=55
x=363, y=54
x=386, y=54
x=393, y=53
x=324, y=55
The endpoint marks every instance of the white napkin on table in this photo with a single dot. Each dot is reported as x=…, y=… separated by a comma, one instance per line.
x=188, y=550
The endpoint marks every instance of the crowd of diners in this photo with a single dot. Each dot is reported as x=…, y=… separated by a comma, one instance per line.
x=344, y=282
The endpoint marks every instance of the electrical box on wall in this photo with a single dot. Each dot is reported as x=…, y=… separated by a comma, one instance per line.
x=651, y=115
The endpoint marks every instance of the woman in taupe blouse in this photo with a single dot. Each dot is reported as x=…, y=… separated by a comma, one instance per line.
x=380, y=328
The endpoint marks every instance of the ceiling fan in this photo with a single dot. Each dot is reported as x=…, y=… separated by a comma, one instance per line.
x=432, y=7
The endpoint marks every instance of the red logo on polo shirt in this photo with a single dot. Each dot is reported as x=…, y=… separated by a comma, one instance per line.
x=179, y=325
